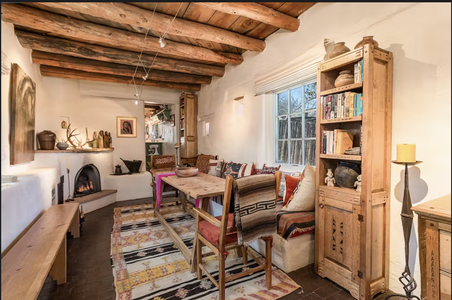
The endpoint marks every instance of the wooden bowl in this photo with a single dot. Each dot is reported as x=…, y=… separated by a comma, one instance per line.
x=186, y=172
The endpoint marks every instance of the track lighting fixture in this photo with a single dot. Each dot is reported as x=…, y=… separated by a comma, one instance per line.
x=145, y=76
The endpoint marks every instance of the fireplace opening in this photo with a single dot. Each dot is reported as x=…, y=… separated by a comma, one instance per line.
x=87, y=181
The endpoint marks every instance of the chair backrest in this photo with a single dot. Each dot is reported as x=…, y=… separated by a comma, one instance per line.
x=162, y=161
x=227, y=204
x=202, y=162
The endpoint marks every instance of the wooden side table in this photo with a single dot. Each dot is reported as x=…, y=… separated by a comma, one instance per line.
x=434, y=248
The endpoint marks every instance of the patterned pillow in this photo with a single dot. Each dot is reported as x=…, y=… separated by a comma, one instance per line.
x=282, y=185
x=303, y=197
x=213, y=163
x=267, y=170
x=202, y=162
x=246, y=170
x=232, y=169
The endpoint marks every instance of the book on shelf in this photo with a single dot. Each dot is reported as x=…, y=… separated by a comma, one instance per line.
x=358, y=71
x=341, y=105
x=336, y=141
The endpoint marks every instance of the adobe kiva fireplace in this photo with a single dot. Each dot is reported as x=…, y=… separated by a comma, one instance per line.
x=87, y=181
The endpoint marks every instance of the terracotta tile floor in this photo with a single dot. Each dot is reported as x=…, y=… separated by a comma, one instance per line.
x=89, y=274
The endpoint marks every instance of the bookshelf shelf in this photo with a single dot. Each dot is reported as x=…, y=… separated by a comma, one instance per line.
x=352, y=192
x=343, y=212
x=345, y=88
x=341, y=157
x=342, y=120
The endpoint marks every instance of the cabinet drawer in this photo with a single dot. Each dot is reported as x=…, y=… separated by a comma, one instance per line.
x=444, y=251
x=444, y=283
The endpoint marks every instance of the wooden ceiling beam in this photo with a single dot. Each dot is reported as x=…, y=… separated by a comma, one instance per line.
x=256, y=12
x=55, y=45
x=128, y=14
x=107, y=36
x=75, y=74
x=89, y=65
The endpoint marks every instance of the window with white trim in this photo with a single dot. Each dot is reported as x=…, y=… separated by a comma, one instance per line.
x=296, y=124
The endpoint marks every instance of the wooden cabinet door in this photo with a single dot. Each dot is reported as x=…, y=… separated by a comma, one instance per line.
x=339, y=242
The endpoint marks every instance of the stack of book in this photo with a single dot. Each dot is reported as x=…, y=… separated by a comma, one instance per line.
x=336, y=141
x=342, y=105
x=358, y=71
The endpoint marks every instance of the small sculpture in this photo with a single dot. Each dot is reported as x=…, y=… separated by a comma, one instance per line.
x=95, y=141
x=106, y=140
x=328, y=44
x=108, y=134
x=329, y=179
x=358, y=184
x=100, y=139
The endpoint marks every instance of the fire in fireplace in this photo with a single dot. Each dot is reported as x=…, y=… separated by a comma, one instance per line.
x=87, y=181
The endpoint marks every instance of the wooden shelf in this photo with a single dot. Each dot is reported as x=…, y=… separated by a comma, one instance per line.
x=339, y=189
x=76, y=150
x=344, y=88
x=342, y=120
x=341, y=157
x=342, y=60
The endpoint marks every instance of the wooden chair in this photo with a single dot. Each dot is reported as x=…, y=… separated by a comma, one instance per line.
x=220, y=234
x=162, y=162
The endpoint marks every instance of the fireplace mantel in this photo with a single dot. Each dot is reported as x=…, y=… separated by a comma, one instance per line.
x=76, y=150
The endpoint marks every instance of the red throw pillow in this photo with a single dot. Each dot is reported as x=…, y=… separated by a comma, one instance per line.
x=291, y=184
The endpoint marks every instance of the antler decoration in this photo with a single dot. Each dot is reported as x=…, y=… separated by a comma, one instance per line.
x=70, y=134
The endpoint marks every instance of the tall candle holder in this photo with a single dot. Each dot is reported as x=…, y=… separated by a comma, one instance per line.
x=407, y=280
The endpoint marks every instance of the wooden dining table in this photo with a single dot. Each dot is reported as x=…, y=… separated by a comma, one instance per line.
x=202, y=187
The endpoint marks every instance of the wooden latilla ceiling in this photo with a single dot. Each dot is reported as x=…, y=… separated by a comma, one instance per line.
x=102, y=41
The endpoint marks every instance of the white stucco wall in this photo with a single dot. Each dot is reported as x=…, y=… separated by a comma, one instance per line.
x=92, y=105
x=418, y=34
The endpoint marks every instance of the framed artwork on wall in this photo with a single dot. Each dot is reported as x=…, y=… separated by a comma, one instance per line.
x=126, y=127
x=22, y=116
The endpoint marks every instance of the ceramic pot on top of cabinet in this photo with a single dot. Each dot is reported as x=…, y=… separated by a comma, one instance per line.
x=367, y=40
x=338, y=49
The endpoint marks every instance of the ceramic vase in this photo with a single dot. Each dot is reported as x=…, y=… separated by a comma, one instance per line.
x=345, y=77
x=367, y=40
x=346, y=174
x=46, y=140
x=62, y=146
x=338, y=49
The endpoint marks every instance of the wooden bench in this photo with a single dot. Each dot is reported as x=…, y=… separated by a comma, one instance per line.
x=40, y=252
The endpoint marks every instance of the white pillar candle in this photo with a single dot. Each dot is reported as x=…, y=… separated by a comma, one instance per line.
x=406, y=153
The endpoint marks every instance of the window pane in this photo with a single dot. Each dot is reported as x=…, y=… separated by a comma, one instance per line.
x=283, y=152
x=309, y=119
x=309, y=154
x=296, y=154
x=283, y=128
x=296, y=104
x=310, y=96
x=283, y=104
x=296, y=129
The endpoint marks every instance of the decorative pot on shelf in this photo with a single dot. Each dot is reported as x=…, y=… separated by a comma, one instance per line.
x=367, y=40
x=346, y=174
x=345, y=77
x=46, y=140
x=338, y=49
x=62, y=146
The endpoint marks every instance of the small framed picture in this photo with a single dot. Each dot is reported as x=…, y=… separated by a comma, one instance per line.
x=173, y=120
x=126, y=127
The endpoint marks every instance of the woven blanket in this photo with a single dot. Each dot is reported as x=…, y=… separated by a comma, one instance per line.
x=294, y=223
x=254, y=207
